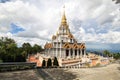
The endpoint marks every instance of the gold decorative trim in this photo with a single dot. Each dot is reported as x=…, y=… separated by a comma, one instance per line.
x=53, y=37
x=48, y=45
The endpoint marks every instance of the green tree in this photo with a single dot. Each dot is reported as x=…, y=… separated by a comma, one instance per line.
x=55, y=62
x=8, y=49
x=9, y=52
x=49, y=63
x=37, y=48
x=116, y=56
x=43, y=63
x=1, y=61
x=107, y=53
x=27, y=47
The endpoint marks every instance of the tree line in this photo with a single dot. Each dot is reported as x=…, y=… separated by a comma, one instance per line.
x=109, y=54
x=10, y=52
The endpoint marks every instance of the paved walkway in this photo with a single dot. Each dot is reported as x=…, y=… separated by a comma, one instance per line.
x=20, y=75
x=110, y=72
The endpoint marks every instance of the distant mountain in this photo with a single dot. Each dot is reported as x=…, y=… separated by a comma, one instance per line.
x=101, y=50
x=96, y=46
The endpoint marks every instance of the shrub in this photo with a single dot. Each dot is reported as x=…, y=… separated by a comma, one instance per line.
x=98, y=64
x=55, y=63
x=1, y=61
x=87, y=64
x=43, y=63
x=49, y=63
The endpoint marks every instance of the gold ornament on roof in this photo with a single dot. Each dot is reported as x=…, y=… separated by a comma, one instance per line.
x=63, y=21
x=82, y=46
x=48, y=45
x=53, y=37
x=70, y=36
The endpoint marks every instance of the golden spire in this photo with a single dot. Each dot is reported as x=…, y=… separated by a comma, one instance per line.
x=63, y=21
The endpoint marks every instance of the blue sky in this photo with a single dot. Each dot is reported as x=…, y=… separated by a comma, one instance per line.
x=96, y=22
x=15, y=29
x=3, y=1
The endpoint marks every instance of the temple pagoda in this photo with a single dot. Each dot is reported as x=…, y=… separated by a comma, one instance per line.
x=63, y=44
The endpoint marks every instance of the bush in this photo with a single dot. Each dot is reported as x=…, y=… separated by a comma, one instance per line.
x=49, y=63
x=98, y=64
x=43, y=63
x=1, y=61
x=55, y=63
x=87, y=64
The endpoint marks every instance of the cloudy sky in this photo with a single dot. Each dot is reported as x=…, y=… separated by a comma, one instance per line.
x=95, y=22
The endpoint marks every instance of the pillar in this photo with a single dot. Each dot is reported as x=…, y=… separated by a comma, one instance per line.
x=77, y=53
x=81, y=53
x=47, y=51
x=56, y=49
x=84, y=53
x=73, y=53
x=53, y=50
x=60, y=48
x=64, y=53
x=52, y=62
x=69, y=53
x=45, y=62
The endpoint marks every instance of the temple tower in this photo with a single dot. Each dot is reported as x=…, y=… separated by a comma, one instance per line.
x=64, y=45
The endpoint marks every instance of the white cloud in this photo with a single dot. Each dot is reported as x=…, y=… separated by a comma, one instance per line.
x=41, y=19
x=111, y=37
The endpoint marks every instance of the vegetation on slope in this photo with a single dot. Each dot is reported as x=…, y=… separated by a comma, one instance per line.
x=10, y=52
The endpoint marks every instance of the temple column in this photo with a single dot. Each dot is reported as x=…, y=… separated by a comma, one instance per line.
x=69, y=53
x=60, y=49
x=64, y=54
x=81, y=53
x=53, y=50
x=47, y=51
x=73, y=53
x=77, y=53
x=84, y=53
x=56, y=49
x=46, y=62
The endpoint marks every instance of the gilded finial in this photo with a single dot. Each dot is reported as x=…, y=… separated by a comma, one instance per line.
x=63, y=17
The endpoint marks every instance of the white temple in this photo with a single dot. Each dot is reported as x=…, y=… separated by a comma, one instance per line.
x=63, y=44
